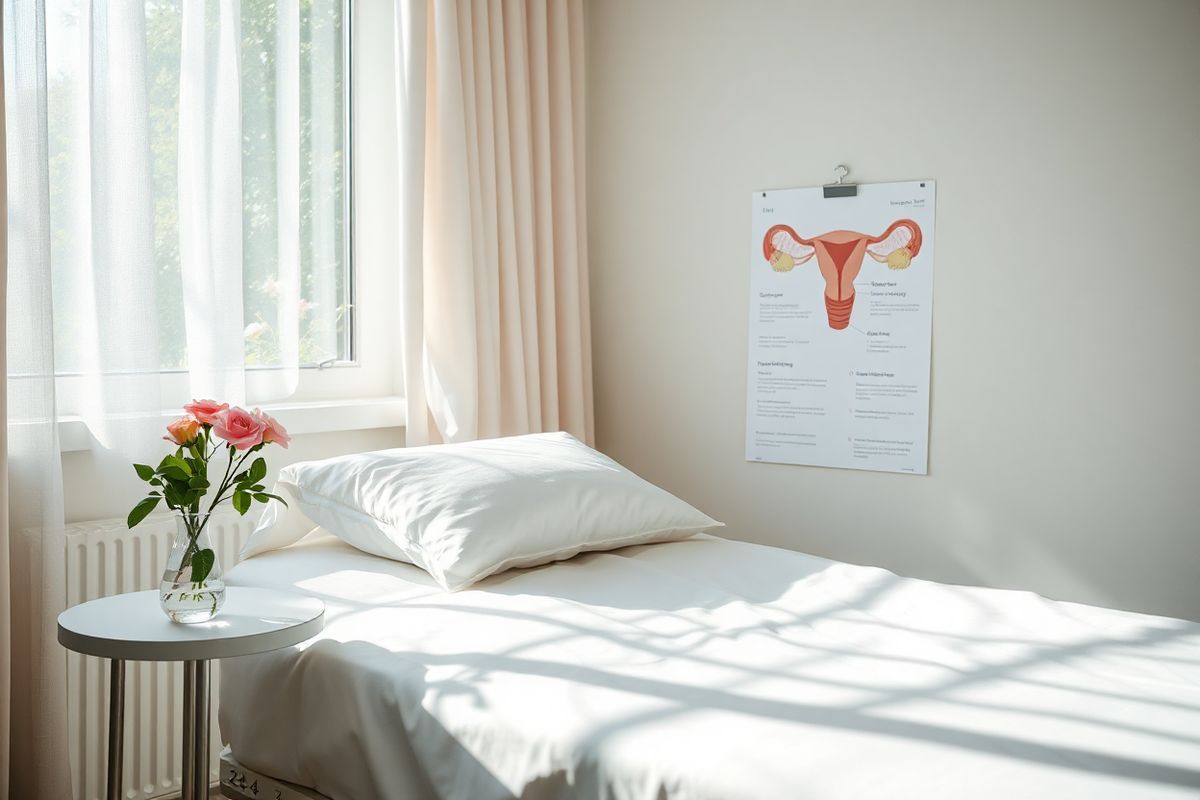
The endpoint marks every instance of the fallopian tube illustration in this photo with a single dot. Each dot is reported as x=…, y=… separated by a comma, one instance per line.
x=840, y=256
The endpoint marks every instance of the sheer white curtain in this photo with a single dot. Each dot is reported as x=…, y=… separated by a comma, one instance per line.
x=101, y=272
x=148, y=259
x=211, y=206
x=5, y=571
x=493, y=236
x=210, y=197
x=120, y=268
x=37, y=722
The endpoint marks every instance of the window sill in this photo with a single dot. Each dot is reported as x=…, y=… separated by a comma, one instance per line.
x=325, y=416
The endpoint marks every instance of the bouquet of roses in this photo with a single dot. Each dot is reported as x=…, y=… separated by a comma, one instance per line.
x=183, y=478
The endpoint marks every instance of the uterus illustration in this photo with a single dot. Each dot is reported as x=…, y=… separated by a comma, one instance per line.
x=840, y=257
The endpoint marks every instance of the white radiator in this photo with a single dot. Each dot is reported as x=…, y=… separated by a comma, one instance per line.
x=104, y=558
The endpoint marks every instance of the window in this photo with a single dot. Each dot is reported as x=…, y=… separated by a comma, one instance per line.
x=289, y=62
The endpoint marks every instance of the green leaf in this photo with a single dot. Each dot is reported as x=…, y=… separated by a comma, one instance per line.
x=258, y=470
x=202, y=564
x=261, y=497
x=198, y=482
x=178, y=462
x=141, y=510
x=144, y=471
x=241, y=501
x=175, y=497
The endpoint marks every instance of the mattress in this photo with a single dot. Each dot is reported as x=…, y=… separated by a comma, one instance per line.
x=704, y=669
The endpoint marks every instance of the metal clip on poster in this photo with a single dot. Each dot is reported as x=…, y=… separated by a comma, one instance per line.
x=841, y=189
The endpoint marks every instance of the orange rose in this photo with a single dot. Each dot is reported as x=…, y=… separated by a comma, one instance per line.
x=183, y=431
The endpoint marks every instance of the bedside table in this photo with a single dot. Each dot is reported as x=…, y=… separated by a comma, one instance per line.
x=132, y=627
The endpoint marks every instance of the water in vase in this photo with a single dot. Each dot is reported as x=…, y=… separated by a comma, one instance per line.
x=193, y=586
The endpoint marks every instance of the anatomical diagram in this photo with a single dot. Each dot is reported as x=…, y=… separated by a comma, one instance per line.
x=840, y=257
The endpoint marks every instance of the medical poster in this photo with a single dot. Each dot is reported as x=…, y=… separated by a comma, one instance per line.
x=841, y=313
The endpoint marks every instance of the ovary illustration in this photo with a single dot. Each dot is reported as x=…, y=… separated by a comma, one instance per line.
x=840, y=256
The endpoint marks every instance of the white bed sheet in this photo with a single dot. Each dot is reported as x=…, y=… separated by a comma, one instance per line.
x=709, y=669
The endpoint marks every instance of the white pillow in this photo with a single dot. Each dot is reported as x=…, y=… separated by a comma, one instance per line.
x=465, y=511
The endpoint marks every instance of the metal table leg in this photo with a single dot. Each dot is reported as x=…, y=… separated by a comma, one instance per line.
x=187, y=786
x=116, y=726
x=200, y=736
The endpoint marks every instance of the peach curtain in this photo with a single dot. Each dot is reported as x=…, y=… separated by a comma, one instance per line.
x=493, y=234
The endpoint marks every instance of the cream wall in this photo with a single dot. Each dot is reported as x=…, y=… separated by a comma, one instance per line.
x=1065, y=139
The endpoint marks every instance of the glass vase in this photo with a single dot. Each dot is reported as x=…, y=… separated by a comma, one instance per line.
x=193, y=586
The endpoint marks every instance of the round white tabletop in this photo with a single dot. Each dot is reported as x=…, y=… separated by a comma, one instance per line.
x=132, y=627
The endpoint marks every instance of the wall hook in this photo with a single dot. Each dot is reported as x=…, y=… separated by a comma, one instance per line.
x=840, y=188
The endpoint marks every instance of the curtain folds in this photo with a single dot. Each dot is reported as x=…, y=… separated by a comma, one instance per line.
x=210, y=197
x=36, y=731
x=5, y=561
x=493, y=235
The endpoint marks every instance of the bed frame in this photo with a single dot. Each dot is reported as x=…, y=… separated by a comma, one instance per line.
x=242, y=783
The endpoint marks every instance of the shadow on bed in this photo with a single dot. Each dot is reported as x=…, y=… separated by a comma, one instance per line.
x=585, y=582
x=849, y=718
x=477, y=666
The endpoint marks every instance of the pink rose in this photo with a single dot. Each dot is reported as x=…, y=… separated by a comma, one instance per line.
x=239, y=427
x=183, y=431
x=205, y=411
x=275, y=432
